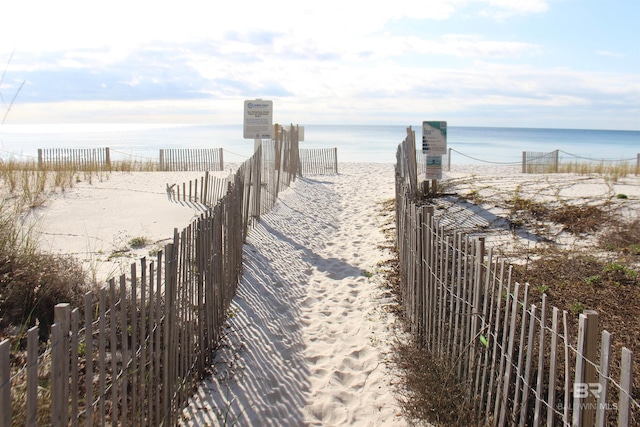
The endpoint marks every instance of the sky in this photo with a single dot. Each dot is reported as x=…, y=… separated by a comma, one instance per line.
x=516, y=63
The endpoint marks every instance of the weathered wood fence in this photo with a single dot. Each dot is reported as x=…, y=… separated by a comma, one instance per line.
x=281, y=165
x=319, y=161
x=137, y=349
x=524, y=363
x=535, y=162
x=77, y=158
x=191, y=159
x=177, y=159
x=538, y=162
x=206, y=190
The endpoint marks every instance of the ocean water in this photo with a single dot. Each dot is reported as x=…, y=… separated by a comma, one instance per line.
x=355, y=143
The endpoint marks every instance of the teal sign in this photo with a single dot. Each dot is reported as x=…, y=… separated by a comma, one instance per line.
x=434, y=138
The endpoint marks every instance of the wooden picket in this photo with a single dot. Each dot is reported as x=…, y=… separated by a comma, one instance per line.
x=81, y=159
x=319, y=161
x=191, y=159
x=536, y=162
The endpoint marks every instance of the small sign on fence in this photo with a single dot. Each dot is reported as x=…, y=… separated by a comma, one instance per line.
x=258, y=119
x=434, y=167
x=434, y=138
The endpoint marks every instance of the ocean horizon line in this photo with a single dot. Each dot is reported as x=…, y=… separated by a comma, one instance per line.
x=142, y=125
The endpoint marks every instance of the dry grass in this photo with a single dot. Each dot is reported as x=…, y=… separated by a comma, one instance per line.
x=611, y=170
x=32, y=282
x=427, y=387
x=430, y=390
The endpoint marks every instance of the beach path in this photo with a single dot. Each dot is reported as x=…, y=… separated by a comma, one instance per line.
x=308, y=330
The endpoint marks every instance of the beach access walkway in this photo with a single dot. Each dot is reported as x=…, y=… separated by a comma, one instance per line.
x=308, y=330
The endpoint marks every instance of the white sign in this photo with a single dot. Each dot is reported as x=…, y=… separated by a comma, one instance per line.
x=434, y=167
x=434, y=138
x=258, y=119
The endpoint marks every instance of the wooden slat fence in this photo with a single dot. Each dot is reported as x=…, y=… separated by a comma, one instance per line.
x=281, y=164
x=319, y=161
x=191, y=159
x=534, y=162
x=525, y=363
x=208, y=190
x=81, y=159
x=137, y=349
x=406, y=167
x=421, y=162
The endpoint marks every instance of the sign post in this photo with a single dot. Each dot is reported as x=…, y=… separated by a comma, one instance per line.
x=434, y=145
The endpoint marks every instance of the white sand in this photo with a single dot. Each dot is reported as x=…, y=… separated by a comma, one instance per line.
x=96, y=220
x=496, y=186
x=308, y=335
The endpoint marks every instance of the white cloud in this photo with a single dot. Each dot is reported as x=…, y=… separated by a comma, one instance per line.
x=610, y=54
x=43, y=25
x=160, y=61
x=503, y=9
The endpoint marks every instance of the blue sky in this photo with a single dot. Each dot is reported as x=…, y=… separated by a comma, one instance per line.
x=524, y=63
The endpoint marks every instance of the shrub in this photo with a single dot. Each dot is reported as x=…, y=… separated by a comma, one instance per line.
x=31, y=285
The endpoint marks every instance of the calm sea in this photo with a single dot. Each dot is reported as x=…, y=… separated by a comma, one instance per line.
x=355, y=143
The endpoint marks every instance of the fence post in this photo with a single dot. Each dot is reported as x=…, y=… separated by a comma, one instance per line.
x=5, y=385
x=555, y=160
x=605, y=355
x=524, y=162
x=40, y=159
x=449, y=160
x=583, y=407
x=638, y=165
x=108, y=157
x=32, y=377
x=477, y=291
x=62, y=316
x=626, y=383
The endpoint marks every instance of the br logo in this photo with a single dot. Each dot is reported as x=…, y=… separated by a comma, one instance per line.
x=584, y=390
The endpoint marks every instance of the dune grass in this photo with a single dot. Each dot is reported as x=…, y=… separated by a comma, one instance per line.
x=32, y=282
x=612, y=170
x=24, y=294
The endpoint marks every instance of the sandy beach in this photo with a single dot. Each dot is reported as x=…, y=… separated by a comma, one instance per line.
x=309, y=330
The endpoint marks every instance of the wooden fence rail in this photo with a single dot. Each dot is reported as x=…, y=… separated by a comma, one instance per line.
x=208, y=190
x=535, y=162
x=81, y=159
x=84, y=159
x=538, y=162
x=319, y=161
x=524, y=363
x=134, y=353
x=191, y=159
